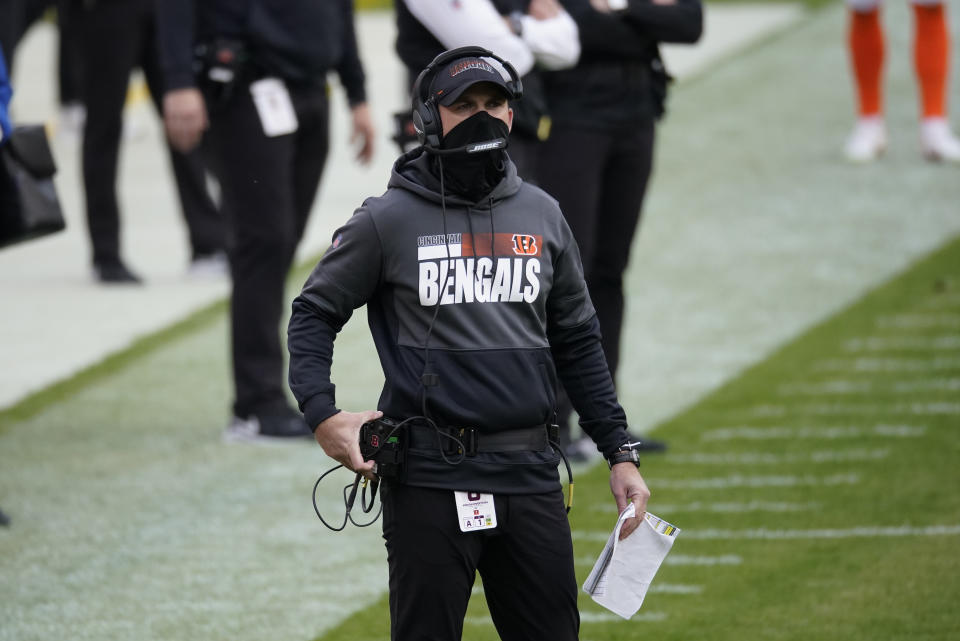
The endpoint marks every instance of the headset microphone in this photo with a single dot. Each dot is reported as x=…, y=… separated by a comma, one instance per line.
x=472, y=148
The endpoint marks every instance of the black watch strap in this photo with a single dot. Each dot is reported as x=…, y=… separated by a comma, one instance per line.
x=623, y=456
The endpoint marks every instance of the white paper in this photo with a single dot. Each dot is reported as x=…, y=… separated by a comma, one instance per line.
x=274, y=107
x=623, y=573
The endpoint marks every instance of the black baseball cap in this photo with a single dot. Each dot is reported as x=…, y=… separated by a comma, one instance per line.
x=463, y=73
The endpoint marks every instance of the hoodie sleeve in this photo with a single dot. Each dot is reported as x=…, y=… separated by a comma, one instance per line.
x=574, y=335
x=344, y=279
x=176, y=22
x=350, y=68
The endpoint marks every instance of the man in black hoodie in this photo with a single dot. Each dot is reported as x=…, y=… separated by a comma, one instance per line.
x=475, y=299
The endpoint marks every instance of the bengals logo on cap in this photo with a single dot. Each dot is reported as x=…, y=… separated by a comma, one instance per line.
x=525, y=245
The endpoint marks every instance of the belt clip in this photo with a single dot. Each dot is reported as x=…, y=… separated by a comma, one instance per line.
x=553, y=433
x=469, y=438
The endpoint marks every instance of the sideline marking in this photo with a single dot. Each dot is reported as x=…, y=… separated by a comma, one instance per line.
x=786, y=535
x=827, y=533
x=689, y=559
x=919, y=321
x=724, y=508
x=585, y=617
x=835, y=387
x=885, y=365
x=945, y=342
x=736, y=480
x=766, y=458
x=936, y=385
x=825, y=433
x=681, y=559
x=675, y=588
x=941, y=301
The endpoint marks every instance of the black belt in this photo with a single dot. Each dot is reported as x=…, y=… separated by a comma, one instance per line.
x=528, y=439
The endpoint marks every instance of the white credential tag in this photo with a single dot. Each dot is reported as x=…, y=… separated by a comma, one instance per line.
x=274, y=107
x=475, y=511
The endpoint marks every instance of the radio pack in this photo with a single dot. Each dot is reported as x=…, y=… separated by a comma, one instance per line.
x=384, y=441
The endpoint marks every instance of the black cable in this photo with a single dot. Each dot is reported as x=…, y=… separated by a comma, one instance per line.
x=349, y=497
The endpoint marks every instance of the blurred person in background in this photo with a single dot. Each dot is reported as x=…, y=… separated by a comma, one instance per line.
x=599, y=154
x=931, y=62
x=116, y=36
x=16, y=18
x=5, y=128
x=530, y=34
x=250, y=80
x=5, y=94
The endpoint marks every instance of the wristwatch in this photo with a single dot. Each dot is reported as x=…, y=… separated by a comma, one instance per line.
x=626, y=454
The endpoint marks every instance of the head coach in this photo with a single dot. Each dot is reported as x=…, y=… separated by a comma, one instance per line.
x=475, y=298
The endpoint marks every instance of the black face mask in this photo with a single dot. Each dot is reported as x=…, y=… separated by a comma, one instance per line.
x=473, y=175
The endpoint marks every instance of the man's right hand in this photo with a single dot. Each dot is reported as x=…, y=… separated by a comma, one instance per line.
x=339, y=436
x=185, y=117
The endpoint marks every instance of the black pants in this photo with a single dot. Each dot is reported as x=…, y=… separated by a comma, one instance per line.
x=268, y=186
x=599, y=178
x=526, y=564
x=16, y=18
x=116, y=37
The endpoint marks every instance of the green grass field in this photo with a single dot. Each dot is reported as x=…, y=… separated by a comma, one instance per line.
x=818, y=492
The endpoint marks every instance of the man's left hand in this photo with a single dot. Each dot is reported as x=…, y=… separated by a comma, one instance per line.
x=627, y=485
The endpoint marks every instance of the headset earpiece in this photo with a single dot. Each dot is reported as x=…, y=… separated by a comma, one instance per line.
x=426, y=115
x=426, y=122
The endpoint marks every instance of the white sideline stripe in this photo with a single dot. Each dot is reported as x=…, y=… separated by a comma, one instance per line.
x=786, y=535
x=867, y=364
x=893, y=343
x=836, y=387
x=858, y=409
x=823, y=433
x=935, y=385
x=605, y=617
x=737, y=480
x=843, y=387
x=690, y=559
x=837, y=456
x=767, y=458
x=678, y=559
x=828, y=533
x=724, y=508
x=919, y=321
x=942, y=300
x=675, y=588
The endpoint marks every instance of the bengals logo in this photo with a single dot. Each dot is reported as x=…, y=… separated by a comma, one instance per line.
x=525, y=245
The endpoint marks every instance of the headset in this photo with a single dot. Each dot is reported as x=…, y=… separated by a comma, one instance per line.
x=426, y=115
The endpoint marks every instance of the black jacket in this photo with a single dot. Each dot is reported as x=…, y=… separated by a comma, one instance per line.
x=620, y=79
x=511, y=308
x=297, y=40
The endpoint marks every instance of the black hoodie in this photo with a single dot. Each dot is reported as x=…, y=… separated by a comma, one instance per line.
x=514, y=310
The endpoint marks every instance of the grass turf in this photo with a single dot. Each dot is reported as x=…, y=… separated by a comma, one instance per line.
x=817, y=491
